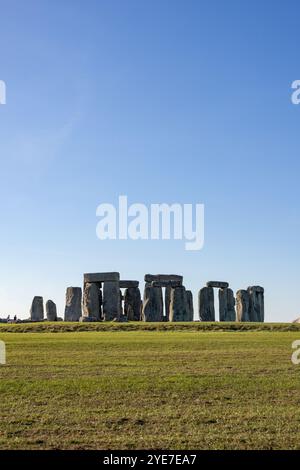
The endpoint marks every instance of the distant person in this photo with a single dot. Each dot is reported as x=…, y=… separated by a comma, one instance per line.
x=15, y=318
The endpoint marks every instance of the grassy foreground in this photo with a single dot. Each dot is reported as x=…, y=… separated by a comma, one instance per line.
x=150, y=389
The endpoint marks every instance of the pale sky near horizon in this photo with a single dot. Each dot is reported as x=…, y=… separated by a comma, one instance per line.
x=162, y=101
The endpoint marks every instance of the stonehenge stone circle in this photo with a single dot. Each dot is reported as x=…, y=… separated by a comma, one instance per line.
x=217, y=284
x=37, y=309
x=132, y=303
x=190, y=305
x=206, y=304
x=227, y=305
x=178, y=304
x=73, y=304
x=111, y=301
x=51, y=311
x=242, y=305
x=153, y=304
x=91, y=301
x=103, y=299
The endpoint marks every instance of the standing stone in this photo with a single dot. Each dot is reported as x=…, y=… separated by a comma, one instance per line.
x=91, y=301
x=111, y=301
x=178, y=304
x=226, y=305
x=167, y=302
x=73, y=304
x=190, y=305
x=37, y=309
x=51, y=311
x=243, y=305
x=132, y=303
x=206, y=304
x=153, y=304
x=256, y=310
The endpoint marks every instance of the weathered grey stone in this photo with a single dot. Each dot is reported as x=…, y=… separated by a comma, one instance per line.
x=37, y=309
x=166, y=283
x=167, y=303
x=256, y=311
x=111, y=301
x=132, y=303
x=163, y=277
x=73, y=304
x=217, y=284
x=128, y=284
x=178, y=305
x=206, y=304
x=256, y=289
x=190, y=305
x=91, y=301
x=51, y=311
x=227, y=305
x=153, y=304
x=101, y=277
x=243, y=305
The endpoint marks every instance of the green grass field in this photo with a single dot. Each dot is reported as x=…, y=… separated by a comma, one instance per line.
x=145, y=389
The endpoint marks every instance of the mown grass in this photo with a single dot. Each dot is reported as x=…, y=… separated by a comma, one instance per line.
x=150, y=390
x=59, y=327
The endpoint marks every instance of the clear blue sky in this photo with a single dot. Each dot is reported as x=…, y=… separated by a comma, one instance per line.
x=164, y=101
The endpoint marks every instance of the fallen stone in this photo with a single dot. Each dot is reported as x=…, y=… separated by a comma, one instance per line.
x=73, y=304
x=37, y=309
x=217, y=284
x=51, y=311
x=206, y=304
x=101, y=277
